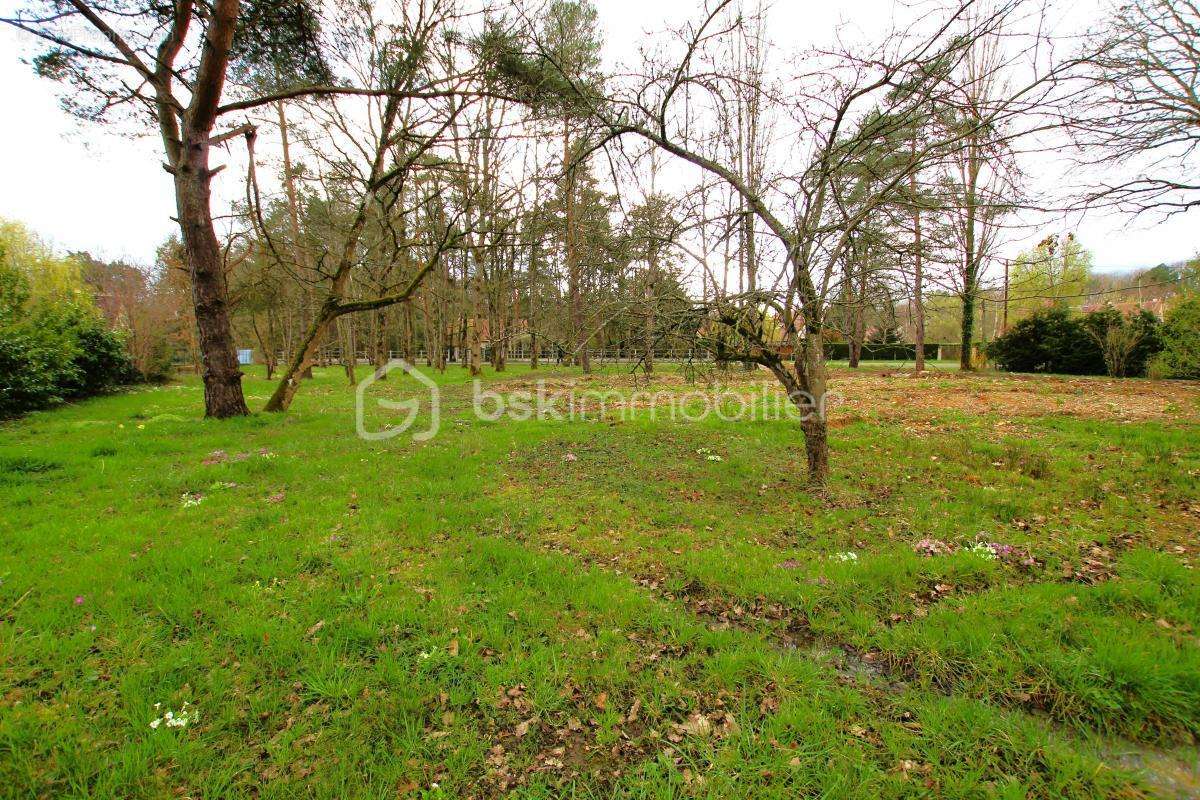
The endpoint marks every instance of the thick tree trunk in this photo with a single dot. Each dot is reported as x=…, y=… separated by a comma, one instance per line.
x=185, y=138
x=805, y=382
x=475, y=353
x=500, y=352
x=816, y=450
x=222, y=376
x=810, y=371
x=967, y=330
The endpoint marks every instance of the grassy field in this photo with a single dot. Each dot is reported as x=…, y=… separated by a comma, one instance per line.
x=994, y=597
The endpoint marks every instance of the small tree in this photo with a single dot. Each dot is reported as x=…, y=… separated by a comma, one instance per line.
x=1125, y=343
x=1116, y=339
x=1051, y=272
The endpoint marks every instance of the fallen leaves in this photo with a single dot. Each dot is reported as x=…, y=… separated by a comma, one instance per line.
x=215, y=457
x=696, y=725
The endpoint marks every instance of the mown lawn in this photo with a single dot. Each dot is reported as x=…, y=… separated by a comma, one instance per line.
x=995, y=596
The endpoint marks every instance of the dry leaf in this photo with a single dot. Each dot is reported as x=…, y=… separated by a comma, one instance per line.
x=697, y=725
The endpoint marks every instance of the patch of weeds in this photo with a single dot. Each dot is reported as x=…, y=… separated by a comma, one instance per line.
x=26, y=465
x=1026, y=460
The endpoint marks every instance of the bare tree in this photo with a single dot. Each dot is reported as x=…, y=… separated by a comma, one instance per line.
x=1139, y=107
x=395, y=144
x=805, y=202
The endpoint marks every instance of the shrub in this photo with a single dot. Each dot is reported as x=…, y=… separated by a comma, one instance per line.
x=55, y=352
x=1048, y=341
x=1102, y=342
x=53, y=343
x=31, y=371
x=1180, y=356
x=99, y=354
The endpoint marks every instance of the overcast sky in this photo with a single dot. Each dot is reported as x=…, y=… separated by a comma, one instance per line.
x=84, y=188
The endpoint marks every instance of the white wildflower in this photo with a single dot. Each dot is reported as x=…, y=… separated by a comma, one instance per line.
x=848, y=556
x=182, y=719
x=983, y=550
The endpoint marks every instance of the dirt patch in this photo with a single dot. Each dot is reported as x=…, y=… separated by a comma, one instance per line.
x=900, y=396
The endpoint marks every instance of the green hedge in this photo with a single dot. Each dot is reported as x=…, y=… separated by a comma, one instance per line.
x=840, y=351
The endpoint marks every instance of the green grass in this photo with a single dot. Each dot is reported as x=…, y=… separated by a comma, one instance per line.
x=591, y=607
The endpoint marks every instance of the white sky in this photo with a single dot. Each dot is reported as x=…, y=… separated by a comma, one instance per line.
x=84, y=188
